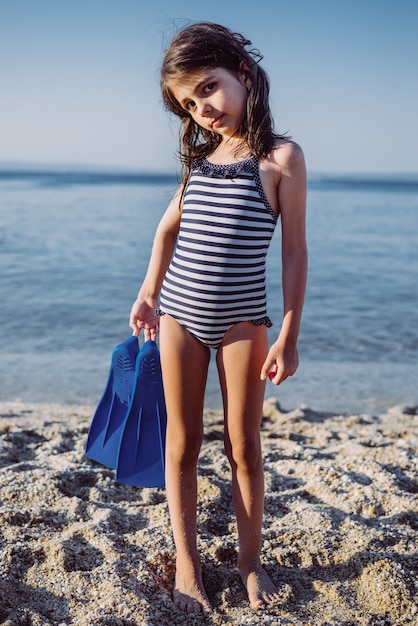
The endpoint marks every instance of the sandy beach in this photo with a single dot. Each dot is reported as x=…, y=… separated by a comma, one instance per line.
x=340, y=530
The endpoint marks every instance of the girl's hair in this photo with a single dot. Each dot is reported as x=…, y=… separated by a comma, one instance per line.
x=206, y=45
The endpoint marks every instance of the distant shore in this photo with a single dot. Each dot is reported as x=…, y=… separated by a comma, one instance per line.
x=340, y=531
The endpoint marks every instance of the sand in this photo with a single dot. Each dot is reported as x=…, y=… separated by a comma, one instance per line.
x=340, y=531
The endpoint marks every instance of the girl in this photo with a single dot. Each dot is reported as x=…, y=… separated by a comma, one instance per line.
x=208, y=262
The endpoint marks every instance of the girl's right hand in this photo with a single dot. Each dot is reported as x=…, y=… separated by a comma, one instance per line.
x=143, y=317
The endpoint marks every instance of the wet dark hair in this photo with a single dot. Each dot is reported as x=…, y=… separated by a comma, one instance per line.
x=206, y=45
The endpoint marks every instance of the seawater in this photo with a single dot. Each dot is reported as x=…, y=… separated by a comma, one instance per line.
x=74, y=247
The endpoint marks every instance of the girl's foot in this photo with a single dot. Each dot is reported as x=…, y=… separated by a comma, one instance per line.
x=190, y=596
x=260, y=588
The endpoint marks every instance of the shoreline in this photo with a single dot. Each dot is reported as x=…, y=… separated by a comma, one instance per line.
x=339, y=540
x=331, y=387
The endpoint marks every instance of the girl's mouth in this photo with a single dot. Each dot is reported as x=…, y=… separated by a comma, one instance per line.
x=218, y=121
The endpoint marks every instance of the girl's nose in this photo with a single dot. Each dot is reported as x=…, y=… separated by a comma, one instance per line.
x=205, y=109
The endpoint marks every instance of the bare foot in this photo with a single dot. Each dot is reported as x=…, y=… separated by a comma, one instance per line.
x=190, y=596
x=260, y=588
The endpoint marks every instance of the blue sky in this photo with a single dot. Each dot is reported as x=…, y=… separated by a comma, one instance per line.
x=79, y=79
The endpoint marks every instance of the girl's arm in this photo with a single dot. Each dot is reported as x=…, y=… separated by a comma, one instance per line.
x=282, y=360
x=142, y=312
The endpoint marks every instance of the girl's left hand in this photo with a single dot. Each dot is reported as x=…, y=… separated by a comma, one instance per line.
x=282, y=361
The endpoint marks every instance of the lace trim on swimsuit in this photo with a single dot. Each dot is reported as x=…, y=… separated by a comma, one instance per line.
x=232, y=170
x=264, y=321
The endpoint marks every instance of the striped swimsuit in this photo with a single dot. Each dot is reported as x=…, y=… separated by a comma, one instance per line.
x=217, y=275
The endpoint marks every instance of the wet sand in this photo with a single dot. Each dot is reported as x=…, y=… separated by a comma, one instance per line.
x=340, y=530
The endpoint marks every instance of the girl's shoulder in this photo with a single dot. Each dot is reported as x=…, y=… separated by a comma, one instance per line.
x=285, y=159
x=286, y=153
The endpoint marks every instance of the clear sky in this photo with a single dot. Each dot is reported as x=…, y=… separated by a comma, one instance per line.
x=79, y=79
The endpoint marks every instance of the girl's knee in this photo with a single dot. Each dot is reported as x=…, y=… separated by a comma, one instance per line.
x=184, y=450
x=246, y=456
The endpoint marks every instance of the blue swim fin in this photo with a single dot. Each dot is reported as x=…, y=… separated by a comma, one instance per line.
x=141, y=459
x=106, y=427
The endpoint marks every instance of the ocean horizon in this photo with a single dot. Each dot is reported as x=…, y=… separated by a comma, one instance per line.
x=73, y=173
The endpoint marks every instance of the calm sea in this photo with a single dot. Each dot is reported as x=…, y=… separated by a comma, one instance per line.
x=74, y=247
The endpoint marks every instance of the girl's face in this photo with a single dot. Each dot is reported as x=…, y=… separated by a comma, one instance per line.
x=214, y=97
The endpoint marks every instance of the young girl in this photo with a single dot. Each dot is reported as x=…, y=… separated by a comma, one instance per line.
x=205, y=284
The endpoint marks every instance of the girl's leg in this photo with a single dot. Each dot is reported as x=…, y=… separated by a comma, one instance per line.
x=239, y=360
x=184, y=363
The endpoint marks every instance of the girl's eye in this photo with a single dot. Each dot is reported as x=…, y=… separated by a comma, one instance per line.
x=190, y=105
x=209, y=87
